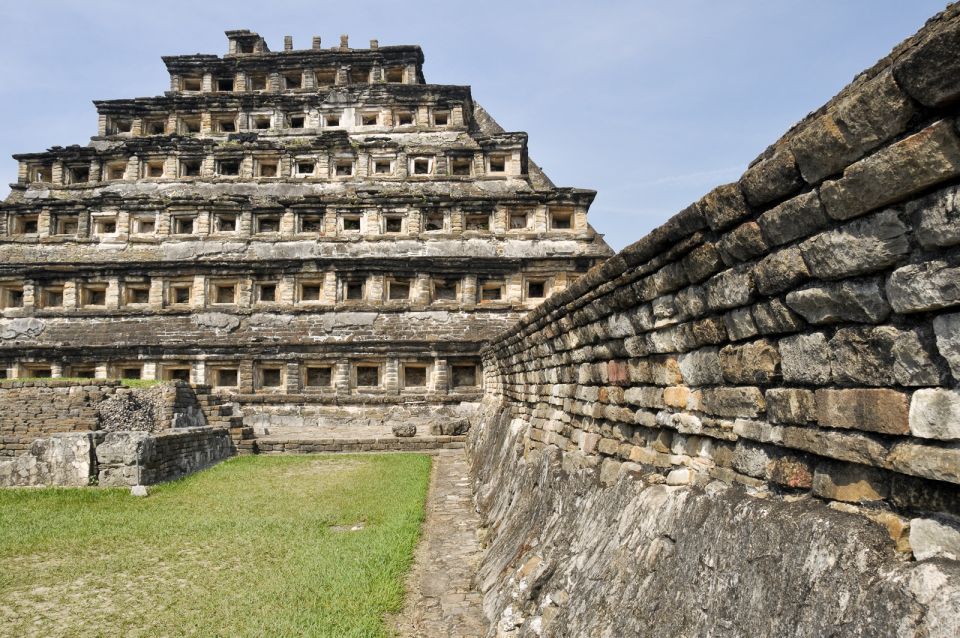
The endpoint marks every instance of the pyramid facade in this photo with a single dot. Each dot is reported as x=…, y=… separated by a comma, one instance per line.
x=300, y=227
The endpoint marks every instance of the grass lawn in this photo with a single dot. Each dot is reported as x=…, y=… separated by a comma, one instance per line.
x=256, y=546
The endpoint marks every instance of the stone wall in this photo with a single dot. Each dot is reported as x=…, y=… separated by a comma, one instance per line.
x=783, y=355
x=139, y=458
x=75, y=433
x=65, y=459
x=39, y=408
x=36, y=409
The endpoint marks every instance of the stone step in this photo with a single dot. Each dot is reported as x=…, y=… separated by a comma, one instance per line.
x=284, y=445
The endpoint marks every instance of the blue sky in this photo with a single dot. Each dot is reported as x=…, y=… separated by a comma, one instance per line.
x=650, y=103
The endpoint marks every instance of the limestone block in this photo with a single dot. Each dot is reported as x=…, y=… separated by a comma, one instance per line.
x=404, y=429
x=872, y=410
x=938, y=218
x=676, y=396
x=780, y=271
x=911, y=165
x=703, y=332
x=723, y=206
x=790, y=405
x=859, y=300
x=701, y=367
x=849, y=482
x=702, y=262
x=793, y=219
x=843, y=445
x=739, y=324
x=645, y=396
x=773, y=317
x=873, y=113
x=935, y=414
x=771, y=178
x=930, y=71
x=752, y=459
x=805, y=358
x=732, y=401
x=741, y=244
x=935, y=538
x=690, y=302
x=754, y=362
x=947, y=330
x=880, y=356
x=861, y=247
x=921, y=287
x=935, y=462
x=681, y=476
x=729, y=289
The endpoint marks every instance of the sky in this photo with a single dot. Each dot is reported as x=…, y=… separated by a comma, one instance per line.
x=650, y=103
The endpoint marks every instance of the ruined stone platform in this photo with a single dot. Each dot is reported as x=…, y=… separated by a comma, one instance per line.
x=349, y=438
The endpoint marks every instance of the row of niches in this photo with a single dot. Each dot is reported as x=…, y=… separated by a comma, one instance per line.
x=291, y=80
x=303, y=375
x=360, y=119
x=318, y=290
x=229, y=165
x=119, y=226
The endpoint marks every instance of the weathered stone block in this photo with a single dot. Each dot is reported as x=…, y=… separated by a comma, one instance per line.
x=881, y=355
x=872, y=410
x=874, y=112
x=930, y=285
x=742, y=243
x=702, y=262
x=404, y=429
x=793, y=219
x=754, y=362
x=773, y=317
x=780, y=271
x=791, y=405
x=645, y=396
x=739, y=324
x=691, y=302
x=895, y=172
x=752, y=459
x=938, y=218
x=844, y=445
x=793, y=472
x=930, y=71
x=730, y=289
x=947, y=330
x=701, y=367
x=724, y=206
x=858, y=300
x=850, y=483
x=805, y=359
x=771, y=178
x=676, y=396
x=935, y=414
x=861, y=247
x=928, y=460
x=934, y=538
x=732, y=401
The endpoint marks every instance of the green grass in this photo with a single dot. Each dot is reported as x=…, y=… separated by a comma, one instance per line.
x=256, y=546
x=130, y=383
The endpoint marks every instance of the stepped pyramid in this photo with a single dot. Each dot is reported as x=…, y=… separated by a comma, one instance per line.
x=315, y=227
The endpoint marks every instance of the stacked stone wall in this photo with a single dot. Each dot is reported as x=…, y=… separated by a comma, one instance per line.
x=793, y=335
x=36, y=409
x=139, y=458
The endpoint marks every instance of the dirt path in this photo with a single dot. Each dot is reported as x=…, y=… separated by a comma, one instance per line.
x=442, y=600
